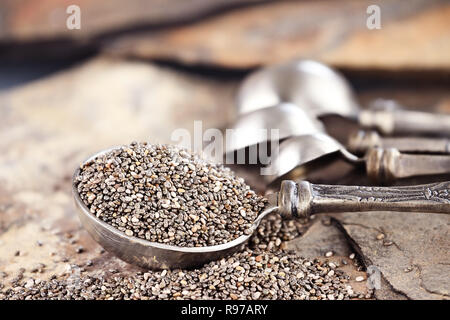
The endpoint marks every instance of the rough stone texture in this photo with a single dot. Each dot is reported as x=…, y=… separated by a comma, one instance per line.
x=414, y=35
x=325, y=235
x=417, y=264
x=50, y=126
x=319, y=239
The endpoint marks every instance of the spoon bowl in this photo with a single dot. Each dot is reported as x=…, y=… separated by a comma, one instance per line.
x=152, y=255
x=255, y=127
x=306, y=83
x=298, y=151
x=323, y=91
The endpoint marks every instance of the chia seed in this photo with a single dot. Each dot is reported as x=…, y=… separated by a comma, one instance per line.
x=250, y=274
x=166, y=194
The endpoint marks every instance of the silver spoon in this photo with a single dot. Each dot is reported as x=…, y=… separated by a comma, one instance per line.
x=255, y=127
x=292, y=201
x=382, y=165
x=323, y=91
x=306, y=141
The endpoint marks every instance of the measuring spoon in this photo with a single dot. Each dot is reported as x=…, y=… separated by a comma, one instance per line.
x=294, y=200
x=382, y=165
x=323, y=91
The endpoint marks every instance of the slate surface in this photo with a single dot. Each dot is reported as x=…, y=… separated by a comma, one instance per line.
x=417, y=264
x=49, y=126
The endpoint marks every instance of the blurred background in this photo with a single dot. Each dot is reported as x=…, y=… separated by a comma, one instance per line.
x=137, y=70
x=227, y=35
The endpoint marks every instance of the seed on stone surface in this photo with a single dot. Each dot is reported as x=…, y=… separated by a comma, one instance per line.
x=79, y=249
x=352, y=256
x=387, y=243
x=329, y=254
x=29, y=284
x=234, y=277
x=359, y=278
x=380, y=236
x=408, y=269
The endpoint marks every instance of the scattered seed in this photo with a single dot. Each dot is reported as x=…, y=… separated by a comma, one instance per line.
x=408, y=269
x=387, y=243
x=277, y=275
x=380, y=236
x=79, y=249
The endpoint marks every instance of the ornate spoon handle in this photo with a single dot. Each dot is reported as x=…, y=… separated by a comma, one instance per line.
x=300, y=200
x=392, y=122
x=361, y=141
x=386, y=165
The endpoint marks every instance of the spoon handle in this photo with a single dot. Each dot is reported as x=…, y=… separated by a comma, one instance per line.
x=361, y=141
x=300, y=200
x=399, y=121
x=386, y=165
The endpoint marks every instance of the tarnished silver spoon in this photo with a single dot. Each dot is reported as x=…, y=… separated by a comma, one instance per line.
x=294, y=200
x=306, y=141
x=255, y=127
x=382, y=165
x=323, y=91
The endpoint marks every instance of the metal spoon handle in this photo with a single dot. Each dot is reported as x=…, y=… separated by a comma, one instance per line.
x=300, y=200
x=361, y=141
x=392, y=122
x=386, y=165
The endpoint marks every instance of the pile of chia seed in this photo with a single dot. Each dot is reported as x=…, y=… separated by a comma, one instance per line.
x=264, y=270
x=166, y=194
x=251, y=275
